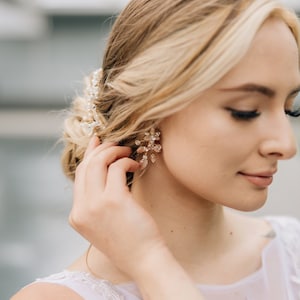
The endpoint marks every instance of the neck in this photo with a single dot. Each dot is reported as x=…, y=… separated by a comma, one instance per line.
x=195, y=230
x=190, y=225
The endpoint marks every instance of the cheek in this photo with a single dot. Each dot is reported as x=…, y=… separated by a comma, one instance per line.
x=192, y=156
x=205, y=144
x=204, y=161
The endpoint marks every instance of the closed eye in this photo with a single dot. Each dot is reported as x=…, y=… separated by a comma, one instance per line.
x=293, y=106
x=243, y=115
x=294, y=114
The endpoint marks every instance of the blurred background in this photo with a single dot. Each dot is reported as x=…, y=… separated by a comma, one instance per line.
x=46, y=47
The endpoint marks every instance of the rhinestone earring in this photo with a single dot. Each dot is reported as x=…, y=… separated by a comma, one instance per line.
x=148, y=147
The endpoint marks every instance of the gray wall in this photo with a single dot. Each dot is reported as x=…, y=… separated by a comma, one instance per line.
x=38, y=78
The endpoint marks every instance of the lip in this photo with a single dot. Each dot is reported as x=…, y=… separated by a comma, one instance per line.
x=261, y=179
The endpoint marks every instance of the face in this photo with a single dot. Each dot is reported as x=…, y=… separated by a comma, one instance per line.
x=225, y=146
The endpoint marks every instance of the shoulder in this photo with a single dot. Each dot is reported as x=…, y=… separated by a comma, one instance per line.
x=286, y=227
x=288, y=231
x=46, y=291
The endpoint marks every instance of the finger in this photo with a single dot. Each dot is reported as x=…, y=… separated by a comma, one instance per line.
x=94, y=144
x=93, y=149
x=96, y=163
x=97, y=167
x=116, y=177
x=88, y=189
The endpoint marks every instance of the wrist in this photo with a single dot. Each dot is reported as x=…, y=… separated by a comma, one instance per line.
x=158, y=268
x=154, y=258
x=160, y=276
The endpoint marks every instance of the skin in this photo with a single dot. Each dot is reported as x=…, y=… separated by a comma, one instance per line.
x=175, y=212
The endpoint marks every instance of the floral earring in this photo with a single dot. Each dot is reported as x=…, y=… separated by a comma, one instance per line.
x=148, y=147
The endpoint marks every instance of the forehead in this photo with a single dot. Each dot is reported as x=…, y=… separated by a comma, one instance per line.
x=272, y=59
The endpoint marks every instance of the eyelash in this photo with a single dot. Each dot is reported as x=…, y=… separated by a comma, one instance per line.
x=293, y=114
x=243, y=115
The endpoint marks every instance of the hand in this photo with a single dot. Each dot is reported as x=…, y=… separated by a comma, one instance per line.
x=104, y=211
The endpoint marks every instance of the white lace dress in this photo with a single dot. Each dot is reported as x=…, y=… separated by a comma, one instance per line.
x=277, y=279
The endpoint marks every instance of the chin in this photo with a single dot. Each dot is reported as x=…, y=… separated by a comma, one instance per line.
x=250, y=203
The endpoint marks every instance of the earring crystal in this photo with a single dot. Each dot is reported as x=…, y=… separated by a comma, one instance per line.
x=148, y=147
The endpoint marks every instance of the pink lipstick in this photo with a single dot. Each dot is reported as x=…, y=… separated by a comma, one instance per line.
x=261, y=180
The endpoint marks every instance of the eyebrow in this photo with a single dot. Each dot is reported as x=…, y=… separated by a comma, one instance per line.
x=256, y=88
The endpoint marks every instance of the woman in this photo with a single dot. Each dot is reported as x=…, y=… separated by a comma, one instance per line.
x=188, y=118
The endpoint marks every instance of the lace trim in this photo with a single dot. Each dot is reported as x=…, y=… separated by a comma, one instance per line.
x=291, y=239
x=101, y=287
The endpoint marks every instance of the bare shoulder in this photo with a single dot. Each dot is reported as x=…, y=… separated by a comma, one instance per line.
x=46, y=291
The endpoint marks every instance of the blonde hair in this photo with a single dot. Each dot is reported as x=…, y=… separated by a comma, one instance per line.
x=160, y=55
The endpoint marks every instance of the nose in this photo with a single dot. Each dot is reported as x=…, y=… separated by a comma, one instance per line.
x=280, y=142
